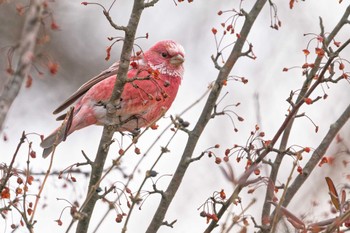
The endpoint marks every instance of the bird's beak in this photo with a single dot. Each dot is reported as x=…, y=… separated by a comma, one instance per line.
x=177, y=60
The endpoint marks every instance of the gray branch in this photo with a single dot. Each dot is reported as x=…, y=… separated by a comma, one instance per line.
x=26, y=52
x=285, y=137
x=317, y=155
x=204, y=118
x=97, y=167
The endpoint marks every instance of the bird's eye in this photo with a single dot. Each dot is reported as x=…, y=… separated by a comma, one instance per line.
x=164, y=55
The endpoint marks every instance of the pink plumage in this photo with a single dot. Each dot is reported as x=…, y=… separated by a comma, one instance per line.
x=159, y=71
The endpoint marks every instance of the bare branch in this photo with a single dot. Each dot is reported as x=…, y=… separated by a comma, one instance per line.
x=204, y=119
x=317, y=155
x=97, y=167
x=26, y=52
x=242, y=182
x=151, y=3
x=305, y=88
x=215, y=60
x=149, y=149
x=171, y=224
x=9, y=169
x=111, y=22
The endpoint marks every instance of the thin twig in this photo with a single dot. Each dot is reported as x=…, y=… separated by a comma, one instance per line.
x=147, y=152
x=145, y=179
x=62, y=130
x=9, y=169
x=150, y=3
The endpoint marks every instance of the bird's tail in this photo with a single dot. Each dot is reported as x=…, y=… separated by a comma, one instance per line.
x=59, y=135
x=52, y=141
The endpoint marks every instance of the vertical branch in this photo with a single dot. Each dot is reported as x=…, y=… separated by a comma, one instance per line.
x=26, y=54
x=204, y=118
x=97, y=166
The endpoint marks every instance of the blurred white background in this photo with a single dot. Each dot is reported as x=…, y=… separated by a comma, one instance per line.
x=79, y=48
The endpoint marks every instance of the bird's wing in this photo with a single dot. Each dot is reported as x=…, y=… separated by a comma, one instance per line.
x=112, y=70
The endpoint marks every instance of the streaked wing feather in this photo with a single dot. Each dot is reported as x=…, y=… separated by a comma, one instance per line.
x=112, y=70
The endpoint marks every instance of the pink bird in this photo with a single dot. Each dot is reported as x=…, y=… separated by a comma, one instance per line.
x=156, y=76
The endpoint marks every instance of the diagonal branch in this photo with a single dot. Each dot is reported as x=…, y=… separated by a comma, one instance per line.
x=278, y=161
x=317, y=155
x=26, y=55
x=204, y=118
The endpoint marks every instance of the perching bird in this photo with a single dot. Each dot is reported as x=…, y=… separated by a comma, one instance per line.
x=158, y=71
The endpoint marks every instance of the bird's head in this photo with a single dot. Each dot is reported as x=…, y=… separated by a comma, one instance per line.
x=167, y=57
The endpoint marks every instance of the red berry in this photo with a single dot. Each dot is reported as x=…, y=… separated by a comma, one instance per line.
x=59, y=222
x=203, y=214
x=307, y=149
x=222, y=194
x=308, y=101
x=137, y=151
x=19, y=180
x=119, y=218
x=300, y=169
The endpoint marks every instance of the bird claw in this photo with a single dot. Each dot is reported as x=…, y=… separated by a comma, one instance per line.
x=135, y=132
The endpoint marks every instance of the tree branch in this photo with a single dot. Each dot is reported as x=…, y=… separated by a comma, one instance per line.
x=97, y=167
x=8, y=171
x=26, y=54
x=306, y=85
x=317, y=155
x=151, y=3
x=204, y=118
